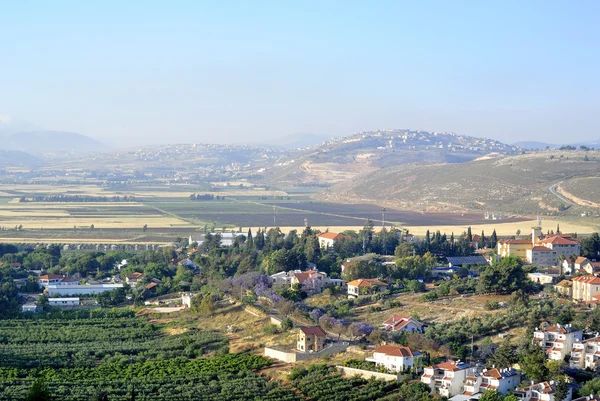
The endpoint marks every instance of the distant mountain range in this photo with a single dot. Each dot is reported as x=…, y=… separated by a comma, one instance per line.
x=43, y=142
x=24, y=143
x=530, y=145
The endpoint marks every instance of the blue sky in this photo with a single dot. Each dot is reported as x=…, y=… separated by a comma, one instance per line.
x=140, y=72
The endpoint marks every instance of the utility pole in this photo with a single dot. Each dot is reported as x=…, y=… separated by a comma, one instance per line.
x=382, y=229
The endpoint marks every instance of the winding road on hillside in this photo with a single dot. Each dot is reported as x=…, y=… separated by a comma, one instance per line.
x=552, y=189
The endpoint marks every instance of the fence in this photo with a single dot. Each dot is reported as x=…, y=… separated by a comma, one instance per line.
x=367, y=374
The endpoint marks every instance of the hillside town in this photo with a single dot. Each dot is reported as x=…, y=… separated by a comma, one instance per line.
x=343, y=299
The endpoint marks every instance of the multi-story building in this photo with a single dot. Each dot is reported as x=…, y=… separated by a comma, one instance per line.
x=562, y=245
x=565, y=288
x=500, y=380
x=514, y=247
x=540, y=250
x=586, y=354
x=540, y=392
x=585, y=288
x=395, y=357
x=541, y=256
x=557, y=340
x=447, y=378
x=311, y=339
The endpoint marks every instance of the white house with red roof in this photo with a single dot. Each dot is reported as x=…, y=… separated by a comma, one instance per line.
x=403, y=323
x=396, y=358
x=557, y=341
x=364, y=286
x=328, y=239
x=540, y=392
x=585, y=288
x=447, y=378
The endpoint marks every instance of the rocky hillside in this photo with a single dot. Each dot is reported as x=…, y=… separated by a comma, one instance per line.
x=520, y=184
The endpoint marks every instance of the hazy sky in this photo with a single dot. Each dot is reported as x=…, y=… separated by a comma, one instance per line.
x=134, y=72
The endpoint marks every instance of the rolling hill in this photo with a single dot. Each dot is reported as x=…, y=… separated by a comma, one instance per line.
x=519, y=184
x=43, y=142
x=344, y=158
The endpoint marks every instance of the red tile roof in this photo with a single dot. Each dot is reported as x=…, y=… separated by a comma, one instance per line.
x=495, y=373
x=587, y=279
x=515, y=241
x=556, y=240
x=330, y=235
x=541, y=248
x=447, y=366
x=51, y=277
x=367, y=282
x=151, y=285
x=396, y=322
x=316, y=330
x=396, y=350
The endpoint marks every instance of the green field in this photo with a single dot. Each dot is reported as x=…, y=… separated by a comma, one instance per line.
x=78, y=353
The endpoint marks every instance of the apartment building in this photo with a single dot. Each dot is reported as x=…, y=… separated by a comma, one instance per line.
x=585, y=288
x=586, y=354
x=540, y=392
x=447, y=378
x=500, y=380
x=557, y=340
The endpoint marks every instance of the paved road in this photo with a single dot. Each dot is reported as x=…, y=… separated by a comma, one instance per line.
x=552, y=189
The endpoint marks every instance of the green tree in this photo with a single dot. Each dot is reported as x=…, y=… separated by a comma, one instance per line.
x=532, y=363
x=249, y=240
x=505, y=356
x=491, y=395
x=505, y=276
x=493, y=239
x=561, y=389
x=590, y=387
x=38, y=391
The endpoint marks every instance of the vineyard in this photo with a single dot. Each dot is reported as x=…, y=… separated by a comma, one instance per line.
x=322, y=383
x=221, y=378
x=77, y=343
x=79, y=353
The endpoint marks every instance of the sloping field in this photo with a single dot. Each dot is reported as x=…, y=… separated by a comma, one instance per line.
x=517, y=184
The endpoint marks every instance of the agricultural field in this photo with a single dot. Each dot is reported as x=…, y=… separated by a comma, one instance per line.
x=78, y=353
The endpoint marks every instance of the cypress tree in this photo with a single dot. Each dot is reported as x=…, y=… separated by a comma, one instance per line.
x=249, y=240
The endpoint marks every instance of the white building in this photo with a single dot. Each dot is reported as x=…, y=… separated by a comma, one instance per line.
x=586, y=354
x=586, y=288
x=541, y=256
x=396, y=358
x=500, y=380
x=29, y=308
x=186, y=300
x=557, y=340
x=403, y=323
x=540, y=392
x=447, y=378
x=328, y=239
x=62, y=290
x=364, y=286
x=63, y=301
x=54, y=279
